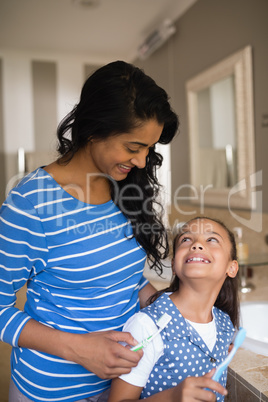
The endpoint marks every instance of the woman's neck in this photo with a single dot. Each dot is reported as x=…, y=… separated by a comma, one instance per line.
x=77, y=180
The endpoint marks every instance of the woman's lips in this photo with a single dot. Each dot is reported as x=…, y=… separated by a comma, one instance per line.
x=124, y=168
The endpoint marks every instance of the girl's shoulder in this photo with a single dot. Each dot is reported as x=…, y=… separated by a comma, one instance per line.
x=222, y=319
x=140, y=325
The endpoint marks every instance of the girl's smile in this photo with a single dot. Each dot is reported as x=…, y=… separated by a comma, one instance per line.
x=197, y=258
x=203, y=244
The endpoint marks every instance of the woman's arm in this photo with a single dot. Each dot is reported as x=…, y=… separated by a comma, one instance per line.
x=192, y=389
x=98, y=352
x=24, y=253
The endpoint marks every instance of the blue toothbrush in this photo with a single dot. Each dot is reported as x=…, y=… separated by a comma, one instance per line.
x=239, y=339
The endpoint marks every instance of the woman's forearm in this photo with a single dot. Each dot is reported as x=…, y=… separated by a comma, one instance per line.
x=45, y=339
x=98, y=352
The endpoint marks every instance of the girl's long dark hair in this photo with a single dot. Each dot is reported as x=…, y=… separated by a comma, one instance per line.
x=227, y=300
x=115, y=99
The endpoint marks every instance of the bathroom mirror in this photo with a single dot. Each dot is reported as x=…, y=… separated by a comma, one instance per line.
x=221, y=133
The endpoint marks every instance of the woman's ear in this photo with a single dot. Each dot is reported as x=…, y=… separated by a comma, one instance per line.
x=232, y=269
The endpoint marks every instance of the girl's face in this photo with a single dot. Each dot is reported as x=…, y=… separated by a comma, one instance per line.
x=203, y=250
x=117, y=155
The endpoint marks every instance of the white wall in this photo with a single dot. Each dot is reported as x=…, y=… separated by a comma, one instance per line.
x=18, y=103
x=18, y=113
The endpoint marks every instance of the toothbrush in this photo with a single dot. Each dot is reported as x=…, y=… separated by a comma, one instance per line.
x=239, y=339
x=162, y=322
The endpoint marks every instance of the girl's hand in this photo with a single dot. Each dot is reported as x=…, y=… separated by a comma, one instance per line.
x=198, y=389
x=192, y=389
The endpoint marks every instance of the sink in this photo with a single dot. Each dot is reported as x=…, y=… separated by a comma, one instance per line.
x=254, y=318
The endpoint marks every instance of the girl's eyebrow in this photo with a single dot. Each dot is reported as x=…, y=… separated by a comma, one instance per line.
x=183, y=233
x=216, y=233
x=188, y=231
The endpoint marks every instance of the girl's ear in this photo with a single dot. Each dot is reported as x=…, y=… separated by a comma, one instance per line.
x=232, y=269
x=172, y=266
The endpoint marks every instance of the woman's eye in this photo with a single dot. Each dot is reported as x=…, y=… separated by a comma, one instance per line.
x=132, y=151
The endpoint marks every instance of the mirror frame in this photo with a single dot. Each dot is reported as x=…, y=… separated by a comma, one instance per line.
x=241, y=195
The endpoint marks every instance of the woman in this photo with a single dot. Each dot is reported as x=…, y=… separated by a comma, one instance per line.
x=76, y=232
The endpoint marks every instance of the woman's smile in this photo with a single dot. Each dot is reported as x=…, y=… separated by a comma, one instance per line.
x=124, y=168
x=118, y=154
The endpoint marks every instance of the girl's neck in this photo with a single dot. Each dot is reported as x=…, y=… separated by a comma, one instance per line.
x=194, y=305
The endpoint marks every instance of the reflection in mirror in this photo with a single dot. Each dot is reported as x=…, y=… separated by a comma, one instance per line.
x=221, y=132
x=217, y=134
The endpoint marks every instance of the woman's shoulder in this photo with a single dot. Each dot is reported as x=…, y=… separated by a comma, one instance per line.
x=30, y=189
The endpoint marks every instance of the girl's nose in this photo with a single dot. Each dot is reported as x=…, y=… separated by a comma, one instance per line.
x=197, y=246
x=139, y=160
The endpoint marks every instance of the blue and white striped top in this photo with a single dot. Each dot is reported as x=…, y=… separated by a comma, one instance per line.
x=83, y=270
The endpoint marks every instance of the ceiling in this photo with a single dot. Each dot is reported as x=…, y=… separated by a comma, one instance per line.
x=100, y=29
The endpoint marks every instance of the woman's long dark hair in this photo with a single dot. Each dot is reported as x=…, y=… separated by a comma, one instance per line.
x=227, y=300
x=116, y=99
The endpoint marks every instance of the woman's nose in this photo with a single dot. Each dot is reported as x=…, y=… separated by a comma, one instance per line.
x=139, y=160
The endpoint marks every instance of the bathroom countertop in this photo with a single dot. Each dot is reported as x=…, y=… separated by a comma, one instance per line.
x=251, y=370
x=248, y=367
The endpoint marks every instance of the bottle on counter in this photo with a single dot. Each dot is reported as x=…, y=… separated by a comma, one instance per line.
x=241, y=247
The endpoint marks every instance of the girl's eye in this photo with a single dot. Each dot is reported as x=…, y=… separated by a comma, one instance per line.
x=184, y=239
x=212, y=239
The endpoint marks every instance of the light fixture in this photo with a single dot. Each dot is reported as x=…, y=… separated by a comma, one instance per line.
x=86, y=3
x=156, y=39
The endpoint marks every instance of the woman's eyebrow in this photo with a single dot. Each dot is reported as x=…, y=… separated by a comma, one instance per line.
x=141, y=143
x=138, y=143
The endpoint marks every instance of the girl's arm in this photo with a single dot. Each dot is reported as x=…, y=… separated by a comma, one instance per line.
x=144, y=294
x=192, y=389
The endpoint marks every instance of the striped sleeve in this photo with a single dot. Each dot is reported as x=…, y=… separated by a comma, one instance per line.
x=23, y=253
x=143, y=282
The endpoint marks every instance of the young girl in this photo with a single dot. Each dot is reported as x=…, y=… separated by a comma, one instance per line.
x=202, y=301
x=76, y=232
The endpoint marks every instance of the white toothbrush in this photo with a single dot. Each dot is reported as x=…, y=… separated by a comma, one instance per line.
x=239, y=339
x=162, y=322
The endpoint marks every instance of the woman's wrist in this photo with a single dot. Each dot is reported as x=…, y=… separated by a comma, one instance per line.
x=45, y=339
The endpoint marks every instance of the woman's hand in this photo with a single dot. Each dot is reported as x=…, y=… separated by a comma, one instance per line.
x=101, y=353
x=98, y=352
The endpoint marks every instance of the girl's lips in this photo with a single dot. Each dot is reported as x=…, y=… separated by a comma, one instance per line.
x=197, y=259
